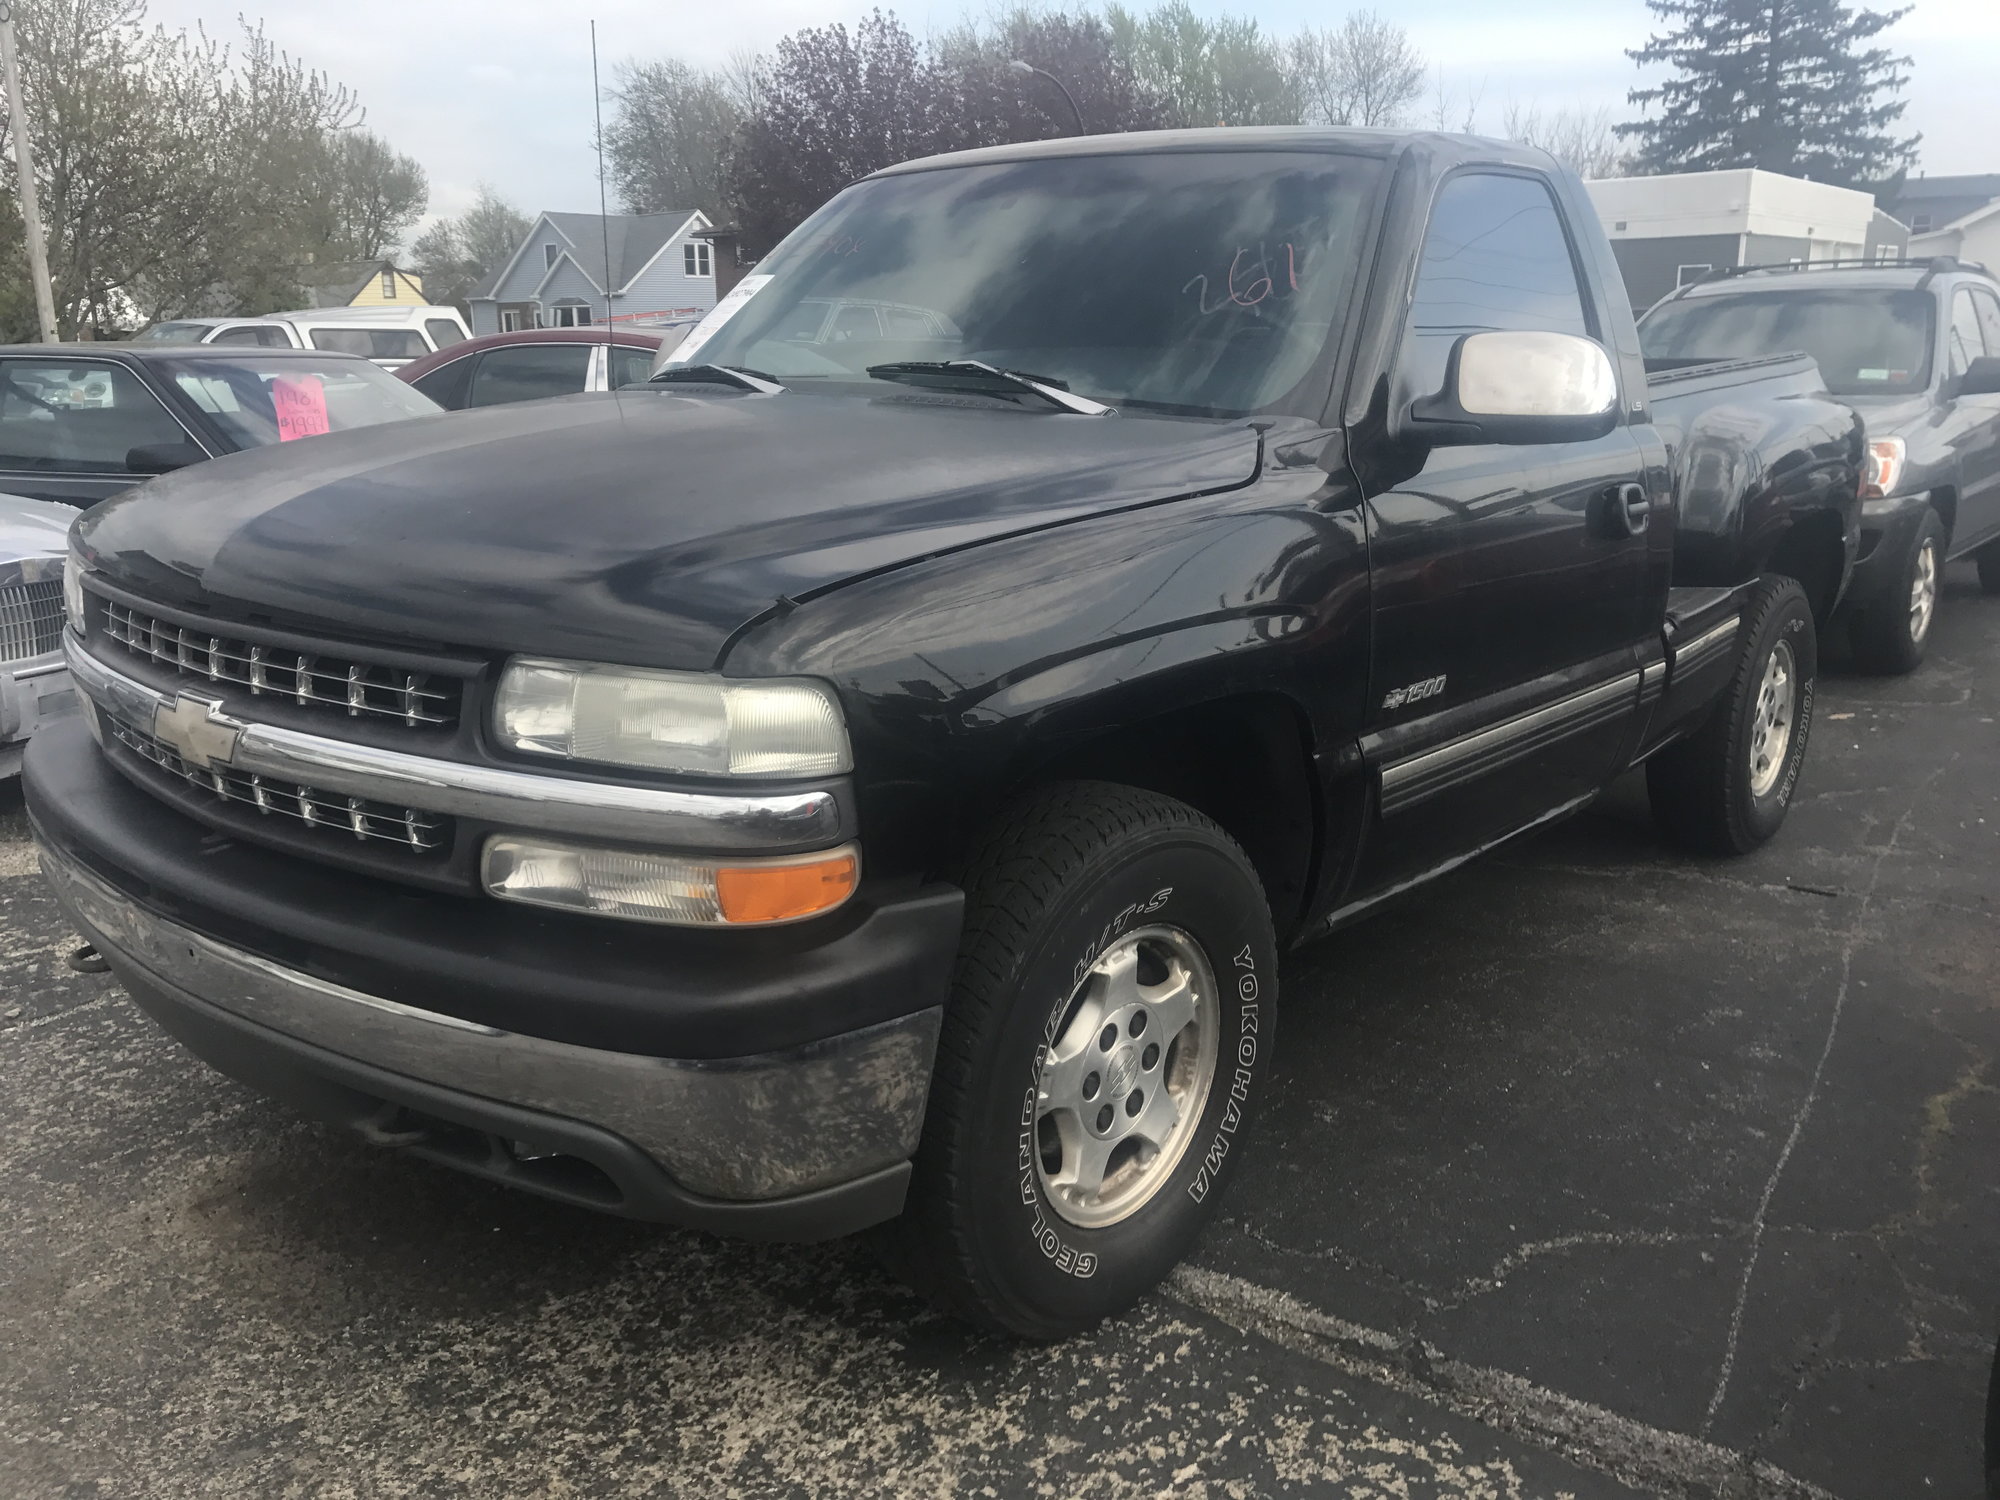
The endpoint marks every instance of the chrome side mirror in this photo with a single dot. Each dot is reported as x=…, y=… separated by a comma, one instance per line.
x=1518, y=388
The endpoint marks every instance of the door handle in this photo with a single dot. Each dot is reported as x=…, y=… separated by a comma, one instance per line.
x=1633, y=507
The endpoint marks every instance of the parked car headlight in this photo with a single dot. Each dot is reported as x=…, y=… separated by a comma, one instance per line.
x=693, y=723
x=1882, y=469
x=74, y=567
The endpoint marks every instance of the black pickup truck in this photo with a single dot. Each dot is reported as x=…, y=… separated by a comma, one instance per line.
x=869, y=773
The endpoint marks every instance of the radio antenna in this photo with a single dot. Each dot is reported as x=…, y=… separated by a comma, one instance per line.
x=603, y=208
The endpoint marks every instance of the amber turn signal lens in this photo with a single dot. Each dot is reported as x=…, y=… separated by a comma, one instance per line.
x=783, y=893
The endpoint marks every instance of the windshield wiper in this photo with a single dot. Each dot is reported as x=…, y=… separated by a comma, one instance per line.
x=749, y=380
x=973, y=374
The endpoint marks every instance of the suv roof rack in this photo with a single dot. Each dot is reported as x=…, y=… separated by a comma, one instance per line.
x=1931, y=265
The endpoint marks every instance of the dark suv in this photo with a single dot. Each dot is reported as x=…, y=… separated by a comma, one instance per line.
x=1915, y=346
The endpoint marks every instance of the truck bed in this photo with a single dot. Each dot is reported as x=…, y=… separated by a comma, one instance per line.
x=1669, y=378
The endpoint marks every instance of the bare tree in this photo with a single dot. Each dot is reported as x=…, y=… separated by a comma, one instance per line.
x=1220, y=70
x=177, y=175
x=671, y=132
x=1581, y=139
x=456, y=256
x=1366, y=71
x=1451, y=114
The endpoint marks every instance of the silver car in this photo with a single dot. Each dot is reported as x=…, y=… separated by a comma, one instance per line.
x=34, y=683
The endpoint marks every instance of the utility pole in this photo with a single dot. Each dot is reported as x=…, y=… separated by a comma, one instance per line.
x=24, y=163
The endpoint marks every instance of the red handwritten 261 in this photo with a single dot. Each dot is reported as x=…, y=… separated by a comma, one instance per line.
x=1248, y=284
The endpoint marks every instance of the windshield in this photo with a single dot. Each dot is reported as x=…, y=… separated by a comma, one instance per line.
x=1201, y=283
x=1867, y=342
x=262, y=401
x=171, y=333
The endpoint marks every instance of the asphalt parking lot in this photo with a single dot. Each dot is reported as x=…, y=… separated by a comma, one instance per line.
x=1593, y=1171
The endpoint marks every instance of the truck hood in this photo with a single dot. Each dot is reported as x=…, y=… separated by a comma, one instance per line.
x=642, y=527
x=1893, y=416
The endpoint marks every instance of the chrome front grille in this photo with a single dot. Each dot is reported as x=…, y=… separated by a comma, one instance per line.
x=31, y=619
x=325, y=680
x=369, y=822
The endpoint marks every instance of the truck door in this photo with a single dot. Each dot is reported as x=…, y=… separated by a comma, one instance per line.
x=1510, y=582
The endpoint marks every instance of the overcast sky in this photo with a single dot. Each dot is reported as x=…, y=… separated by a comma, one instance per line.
x=498, y=91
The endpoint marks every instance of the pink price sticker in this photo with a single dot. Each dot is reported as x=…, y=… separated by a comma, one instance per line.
x=301, y=407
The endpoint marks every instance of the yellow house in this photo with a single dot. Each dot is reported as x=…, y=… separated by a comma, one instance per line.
x=365, y=283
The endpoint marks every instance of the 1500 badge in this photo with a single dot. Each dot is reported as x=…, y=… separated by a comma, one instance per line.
x=1416, y=692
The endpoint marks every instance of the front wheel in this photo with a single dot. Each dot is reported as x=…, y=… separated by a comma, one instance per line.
x=1726, y=787
x=1108, y=1030
x=1890, y=635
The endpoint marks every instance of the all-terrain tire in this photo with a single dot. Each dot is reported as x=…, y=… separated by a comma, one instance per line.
x=1061, y=887
x=1712, y=792
x=1890, y=634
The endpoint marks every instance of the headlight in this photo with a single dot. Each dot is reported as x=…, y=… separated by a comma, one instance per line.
x=641, y=886
x=74, y=568
x=1882, y=468
x=688, y=722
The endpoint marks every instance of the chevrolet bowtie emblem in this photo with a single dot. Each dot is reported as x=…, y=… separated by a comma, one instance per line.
x=197, y=730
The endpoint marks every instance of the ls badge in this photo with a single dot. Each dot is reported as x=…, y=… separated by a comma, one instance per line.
x=1416, y=692
x=197, y=730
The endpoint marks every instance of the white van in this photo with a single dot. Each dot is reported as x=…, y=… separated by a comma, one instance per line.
x=390, y=336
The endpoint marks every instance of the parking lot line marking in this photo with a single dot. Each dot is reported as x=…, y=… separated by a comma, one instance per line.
x=1670, y=1464
x=1849, y=946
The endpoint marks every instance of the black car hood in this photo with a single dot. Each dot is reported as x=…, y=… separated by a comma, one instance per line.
x=642, y=527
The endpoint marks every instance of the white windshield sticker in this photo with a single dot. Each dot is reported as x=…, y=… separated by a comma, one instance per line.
x=721, y=313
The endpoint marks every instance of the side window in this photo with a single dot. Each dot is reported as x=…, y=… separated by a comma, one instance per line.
x=251, y=336
x=854, y=321
x=529, y=372
x=275, y=338
x=77, y=417
x=446, y=384
x=1987, y=305
x=1967, y=342
x=630, y=366
x=444, y=333
x=1495, y=259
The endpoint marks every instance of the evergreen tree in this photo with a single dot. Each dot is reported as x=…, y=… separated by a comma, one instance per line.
x=1786, y=85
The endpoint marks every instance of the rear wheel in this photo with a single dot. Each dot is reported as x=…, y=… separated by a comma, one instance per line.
x=1726, y=787
x=1890, y=634
x=1107, y=1032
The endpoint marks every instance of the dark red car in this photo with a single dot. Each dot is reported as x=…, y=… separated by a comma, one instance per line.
x=532, y=363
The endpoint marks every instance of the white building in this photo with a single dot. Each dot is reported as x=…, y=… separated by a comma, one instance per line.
x=1668, y=231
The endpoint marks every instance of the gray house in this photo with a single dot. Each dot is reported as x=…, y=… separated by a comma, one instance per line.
x=1929, y=204
x=660, y=268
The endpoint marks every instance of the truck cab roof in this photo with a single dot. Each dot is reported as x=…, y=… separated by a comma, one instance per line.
x=1349, y=141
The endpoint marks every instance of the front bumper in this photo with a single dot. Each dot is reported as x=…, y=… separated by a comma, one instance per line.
x=569, y=1080
x=1887, y=529
x=33, y=693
